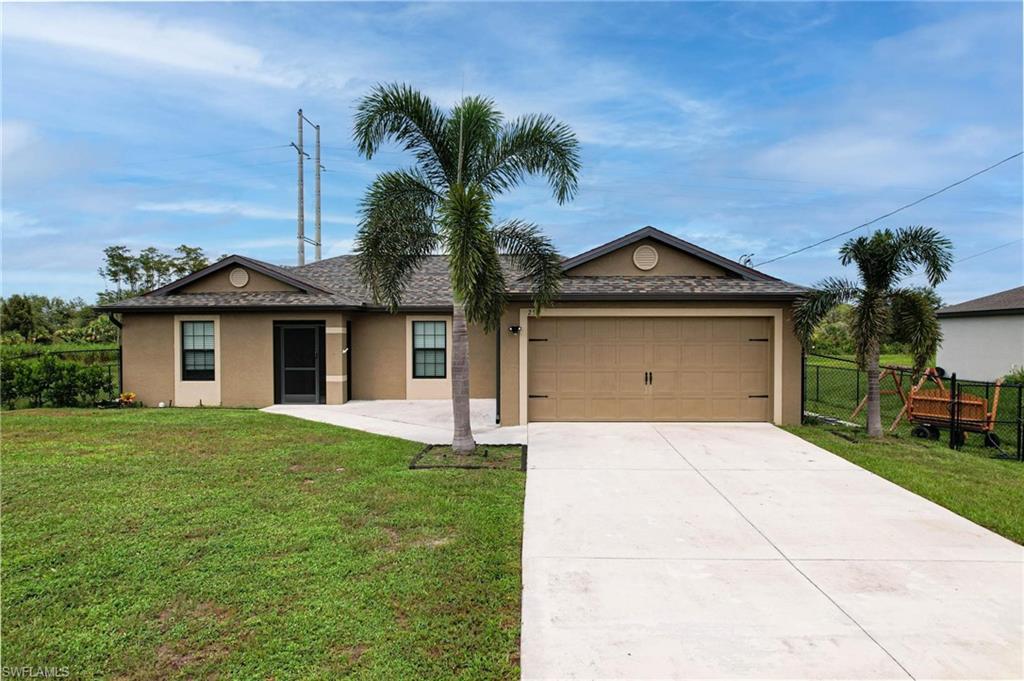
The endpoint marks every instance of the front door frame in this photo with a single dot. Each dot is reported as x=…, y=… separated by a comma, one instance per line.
x=774, y=313
x=321, y=362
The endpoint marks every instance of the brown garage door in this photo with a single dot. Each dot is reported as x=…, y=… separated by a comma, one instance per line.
x=650, y=369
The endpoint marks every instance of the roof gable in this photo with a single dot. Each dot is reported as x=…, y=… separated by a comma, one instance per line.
x=263, y=277
x=1010, y=301
x=687, y=259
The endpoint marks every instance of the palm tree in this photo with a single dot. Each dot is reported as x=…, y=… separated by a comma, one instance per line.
x=443, y=203
x=881, y=310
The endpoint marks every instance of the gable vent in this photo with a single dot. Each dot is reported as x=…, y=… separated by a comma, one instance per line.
x=238, y=277
x=645, y=257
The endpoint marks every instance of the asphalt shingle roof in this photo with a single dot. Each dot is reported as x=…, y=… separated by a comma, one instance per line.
x=430, y=287
x=1010, y=300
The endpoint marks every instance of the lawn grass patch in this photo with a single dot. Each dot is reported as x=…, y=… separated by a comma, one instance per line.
x=510, y=457
x=186, y=543
x=986, y=490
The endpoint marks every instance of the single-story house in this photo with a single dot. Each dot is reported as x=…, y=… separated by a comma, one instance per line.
x=983, y=339
x=647, y=327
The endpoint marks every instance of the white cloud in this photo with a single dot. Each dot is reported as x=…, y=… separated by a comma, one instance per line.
x=127, y=36
x=18, y=225
x=237, y=208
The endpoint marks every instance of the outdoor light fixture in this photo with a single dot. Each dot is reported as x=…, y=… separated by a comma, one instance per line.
x=514, y=329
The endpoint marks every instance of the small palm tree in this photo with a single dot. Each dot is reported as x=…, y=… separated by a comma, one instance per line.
x=444, y=204
x=881, y=310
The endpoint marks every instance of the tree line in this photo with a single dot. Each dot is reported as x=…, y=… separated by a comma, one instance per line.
x=32, y=318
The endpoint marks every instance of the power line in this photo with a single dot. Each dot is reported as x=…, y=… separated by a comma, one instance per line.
x=891, y=213
x=994, y=248
x=976, y=255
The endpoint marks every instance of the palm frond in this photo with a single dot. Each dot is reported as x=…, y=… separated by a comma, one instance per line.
x=871, y=324
x=811, y=308
x=464, y=220
x=471, y=129
x=531, y=253
x=396, y=232
x=927, y=247
x=534, y=145
x=915, y=323
x=402, y=114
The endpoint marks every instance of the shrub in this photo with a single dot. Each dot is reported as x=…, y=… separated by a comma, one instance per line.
x=54, y=382
x=1016, y=375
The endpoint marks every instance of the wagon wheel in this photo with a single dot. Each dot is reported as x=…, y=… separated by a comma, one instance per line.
x=933, y=432
x=921, y=432
x=992, y=440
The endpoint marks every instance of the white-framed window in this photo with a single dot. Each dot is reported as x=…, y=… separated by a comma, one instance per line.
x=197, y=351
x=429, y=349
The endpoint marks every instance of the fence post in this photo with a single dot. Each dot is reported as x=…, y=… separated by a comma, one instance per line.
x=803, y=385
x=954, y=410
x=857, y=401
x=1020, y=424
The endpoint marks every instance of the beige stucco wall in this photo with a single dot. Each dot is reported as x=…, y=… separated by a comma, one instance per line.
x=378, y=356
x=381, y=351
x=245, y=354
x=218, y=282
x=247, y=358
x=670, y=261
x=481, y=363
x=510, y=352
x=148, y=346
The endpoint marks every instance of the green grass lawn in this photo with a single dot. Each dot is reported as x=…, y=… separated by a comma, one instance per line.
x=194, y=543
x=987, y=491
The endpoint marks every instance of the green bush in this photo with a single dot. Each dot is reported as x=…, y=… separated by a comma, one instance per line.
x=1016, y=375
x=49, y=381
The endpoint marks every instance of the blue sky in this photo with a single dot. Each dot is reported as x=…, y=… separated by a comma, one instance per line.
x=741, y=127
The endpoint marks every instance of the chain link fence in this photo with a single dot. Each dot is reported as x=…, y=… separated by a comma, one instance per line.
x=835, y=388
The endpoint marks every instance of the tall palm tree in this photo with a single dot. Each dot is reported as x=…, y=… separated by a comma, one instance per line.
x=443, y=203
x=881, y=309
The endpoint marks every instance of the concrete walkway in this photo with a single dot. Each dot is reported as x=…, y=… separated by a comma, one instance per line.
x=427, y=421
x=741, y=551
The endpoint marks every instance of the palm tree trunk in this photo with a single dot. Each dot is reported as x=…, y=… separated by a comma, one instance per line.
x=462, y=437
x=874, y=395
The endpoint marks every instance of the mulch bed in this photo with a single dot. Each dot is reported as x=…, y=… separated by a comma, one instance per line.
x=507, y=457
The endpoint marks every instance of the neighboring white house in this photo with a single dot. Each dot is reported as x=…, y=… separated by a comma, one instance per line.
x=982, y=339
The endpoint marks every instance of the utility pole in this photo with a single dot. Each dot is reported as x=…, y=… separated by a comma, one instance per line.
x=301, y=232
x=317, y=161
x=301, y=226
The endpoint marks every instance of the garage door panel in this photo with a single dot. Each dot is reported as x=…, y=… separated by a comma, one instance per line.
x=632, y=328
x=701, y=369
x=605, y=354
x=543, y=409
x=632, y=355
x=569, y=329
x=543, y=355
x=665, y=329
x=572, y=408
x=634, y=409
x=604, y=409
x=543, y=382
x=572, y=382
x=694, y=383
x=602, y=381
x=665, y=356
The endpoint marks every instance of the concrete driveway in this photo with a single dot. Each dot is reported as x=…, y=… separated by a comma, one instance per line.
x=741, y=551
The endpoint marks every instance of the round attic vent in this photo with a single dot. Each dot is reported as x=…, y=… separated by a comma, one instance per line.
x=238, y=277
x=645, y=257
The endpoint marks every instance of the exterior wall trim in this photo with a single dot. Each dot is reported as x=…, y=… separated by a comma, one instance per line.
x=192, y=393
x=774, y=313
x=428, y=388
